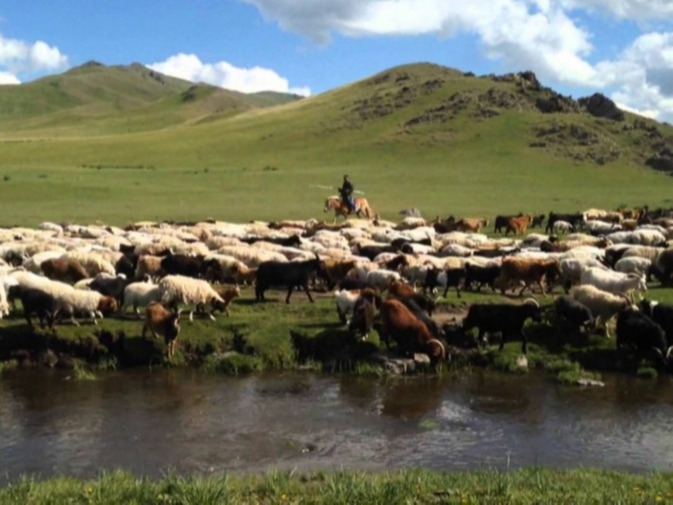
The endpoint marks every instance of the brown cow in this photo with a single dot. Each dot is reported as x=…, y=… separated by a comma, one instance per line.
x=518, y=225
x=409, y=332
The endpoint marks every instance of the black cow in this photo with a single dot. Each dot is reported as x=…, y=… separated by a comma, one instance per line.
x=537, y=221
x=36, y=301
x=503, y=318
x=290, y=275
x=481, y=275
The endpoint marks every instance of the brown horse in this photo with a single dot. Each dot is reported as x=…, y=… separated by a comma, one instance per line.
x=340, y=208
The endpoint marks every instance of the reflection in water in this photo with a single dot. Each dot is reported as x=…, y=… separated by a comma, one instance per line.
x=148, y=422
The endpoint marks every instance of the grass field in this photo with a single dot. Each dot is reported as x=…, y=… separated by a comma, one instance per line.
x=166, y=159
x=527, y=486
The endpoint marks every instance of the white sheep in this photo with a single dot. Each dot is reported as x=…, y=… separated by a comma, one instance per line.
x=612, y=282
x=382, y=279
x=92, y=303
x=571, y=270
x=603, y=305
x=179, y=289
x=140, y=294
x=633, y=265
x=345, y=301
x=561, y=226
x=93, y=262
x=4, y=306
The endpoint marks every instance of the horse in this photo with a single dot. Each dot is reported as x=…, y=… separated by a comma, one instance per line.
x=340, y=207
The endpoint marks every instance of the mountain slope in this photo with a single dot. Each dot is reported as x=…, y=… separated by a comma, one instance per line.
x=416, y=135
x=95, y=99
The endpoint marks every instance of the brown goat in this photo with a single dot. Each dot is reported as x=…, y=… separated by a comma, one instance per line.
x=471, y=224
x=161, y=321
x=401, y=289
x=64, y=270
x=518, y=225
x=529, y=271
x=410, y=333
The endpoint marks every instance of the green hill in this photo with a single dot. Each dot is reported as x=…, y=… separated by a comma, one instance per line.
x=416, y=135
x=94, y=99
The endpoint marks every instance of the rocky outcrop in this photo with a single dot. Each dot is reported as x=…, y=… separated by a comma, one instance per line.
x=601, y=106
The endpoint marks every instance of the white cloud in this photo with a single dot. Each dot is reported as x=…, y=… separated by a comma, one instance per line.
x=18, y=56
x=636, y=10
x=8, y=78
x=225, y=75
x=540, y=35
x=524, y=33
x=643, y=75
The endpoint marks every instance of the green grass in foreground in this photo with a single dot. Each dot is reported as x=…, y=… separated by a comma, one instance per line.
x=527, y=486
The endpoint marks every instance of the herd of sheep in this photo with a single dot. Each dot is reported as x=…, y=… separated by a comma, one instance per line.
x=95, y=270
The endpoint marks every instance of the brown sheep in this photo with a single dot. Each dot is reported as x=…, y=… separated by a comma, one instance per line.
x=64, y=270
x=529, y=271
x=161, y=321
x=149, y=265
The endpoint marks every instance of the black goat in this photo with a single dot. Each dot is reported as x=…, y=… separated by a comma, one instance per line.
x=290, y=275
x=575, y=219
x=636, y=330
x=481, y=275
x=36, y=301
x=506, y=319
x=660, y=313
x=190, y=266
x=572, y=315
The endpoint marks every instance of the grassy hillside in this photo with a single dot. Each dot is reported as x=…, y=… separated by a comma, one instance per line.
x=419, y=135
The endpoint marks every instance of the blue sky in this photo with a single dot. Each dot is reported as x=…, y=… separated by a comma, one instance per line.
x=622, y=48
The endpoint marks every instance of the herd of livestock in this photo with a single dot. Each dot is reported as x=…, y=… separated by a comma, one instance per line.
x=384, y=275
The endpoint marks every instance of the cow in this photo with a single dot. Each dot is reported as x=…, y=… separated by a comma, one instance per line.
x=503, y=318
x=289, y=275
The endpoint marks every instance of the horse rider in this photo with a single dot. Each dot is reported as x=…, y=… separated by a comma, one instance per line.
x=346, y=192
